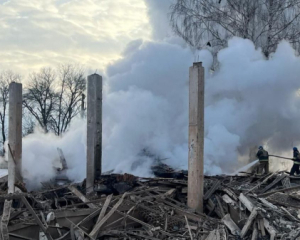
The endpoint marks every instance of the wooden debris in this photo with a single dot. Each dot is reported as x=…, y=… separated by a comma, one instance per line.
x=82, y=197
x=104, y=208
x=246, y=202
x=213, y=235
x=4, y=220
x=235, y=230
x=277, y=180
x=270, y=229
x=38, y=221
x=267, y=203
x=97, y=227
x=255, y=232
x=259, y=184
x=189, y=228
x=212, y=190
x=249, y=223
x=155, y=208
x=262, y=227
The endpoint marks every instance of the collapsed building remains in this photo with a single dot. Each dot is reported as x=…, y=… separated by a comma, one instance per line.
x=128, y=207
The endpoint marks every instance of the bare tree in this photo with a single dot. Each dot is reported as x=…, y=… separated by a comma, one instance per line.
x=40, y=96
x=6, y=77
x=72, y=84
x=53, y=96
x=213, y=22
x=28, y=123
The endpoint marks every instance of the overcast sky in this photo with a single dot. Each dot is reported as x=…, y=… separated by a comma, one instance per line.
x=40, y=33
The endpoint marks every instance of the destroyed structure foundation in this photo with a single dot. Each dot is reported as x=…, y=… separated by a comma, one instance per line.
x=131, y=208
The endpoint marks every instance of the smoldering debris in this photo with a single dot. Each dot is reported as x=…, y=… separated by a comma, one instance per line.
x=128, y=207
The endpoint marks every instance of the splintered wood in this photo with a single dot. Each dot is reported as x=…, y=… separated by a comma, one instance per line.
x=126, y=207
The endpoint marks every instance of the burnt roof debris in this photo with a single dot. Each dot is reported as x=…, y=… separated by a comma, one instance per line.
x=127, y=207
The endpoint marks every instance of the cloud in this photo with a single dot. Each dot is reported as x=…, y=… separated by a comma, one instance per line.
x=42, y=33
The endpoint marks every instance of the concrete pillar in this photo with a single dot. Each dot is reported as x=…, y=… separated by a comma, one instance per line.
x=14, y=135
x=196, y=137
x=94, y=130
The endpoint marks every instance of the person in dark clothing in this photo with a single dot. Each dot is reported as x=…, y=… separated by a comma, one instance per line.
x=263, y=157
x=296, y=158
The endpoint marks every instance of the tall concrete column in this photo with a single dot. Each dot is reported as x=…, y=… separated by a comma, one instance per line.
x=94, y=131
x=196, y=137
x=14, y=135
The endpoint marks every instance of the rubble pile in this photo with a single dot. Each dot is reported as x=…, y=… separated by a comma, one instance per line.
x=128, y=207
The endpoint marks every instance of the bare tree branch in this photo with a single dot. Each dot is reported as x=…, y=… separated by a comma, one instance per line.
x=6, y=77
x=265, y=22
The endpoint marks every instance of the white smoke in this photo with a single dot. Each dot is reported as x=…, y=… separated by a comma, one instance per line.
x=147, y=105
x=40, y=157
x=158, y=13
x=249, y=101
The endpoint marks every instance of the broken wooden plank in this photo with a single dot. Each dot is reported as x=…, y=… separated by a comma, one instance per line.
x=267, y=203
x=289, y=216
x=97, y=227
x=247, y=203
x=259, y=184
x=213, y=188
x=195, y=217
x=255, y=232
x=285, y=190
x=277, y=180
x=21, y=237
x=148, y=226
x=262, y=227
x=230, y=193
x=229, y=200
x=234, y=229
x=189, y=228
x=5, y=219
x=76, y=226
x=94, y=231
x=81, y=196
x=248, y=223
x=212, y=208
x=270, y=229
x=36, y=218
x=220, y=206
x=170, y=193
x=72, y=232
x=43, y=219
x=104, y=208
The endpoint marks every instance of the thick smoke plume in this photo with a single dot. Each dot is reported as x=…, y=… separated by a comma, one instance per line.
x=249, y=101
x=41, y=158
